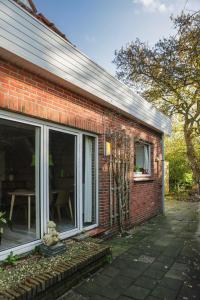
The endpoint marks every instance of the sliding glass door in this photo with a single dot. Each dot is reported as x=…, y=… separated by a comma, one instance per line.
x=46, y=173
x=62, y=180
x=19, y=183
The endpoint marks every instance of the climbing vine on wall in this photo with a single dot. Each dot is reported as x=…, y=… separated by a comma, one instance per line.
x=120, y=168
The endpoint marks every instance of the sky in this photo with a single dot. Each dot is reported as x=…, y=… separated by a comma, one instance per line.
x=99, y=27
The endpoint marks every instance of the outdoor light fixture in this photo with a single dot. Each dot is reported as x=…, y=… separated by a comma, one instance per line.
x=108, y=149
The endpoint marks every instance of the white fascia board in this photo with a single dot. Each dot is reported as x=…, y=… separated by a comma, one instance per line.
x=28, y=38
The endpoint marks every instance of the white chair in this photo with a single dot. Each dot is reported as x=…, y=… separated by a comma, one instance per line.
x=64, y=201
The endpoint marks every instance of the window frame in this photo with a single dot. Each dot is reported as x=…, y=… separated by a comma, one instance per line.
x=150, y=160
x=44, y=127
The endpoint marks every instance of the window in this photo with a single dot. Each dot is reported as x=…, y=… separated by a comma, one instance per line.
x=142, y=159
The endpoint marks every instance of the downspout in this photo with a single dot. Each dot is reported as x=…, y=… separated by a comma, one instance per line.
x=163, y=174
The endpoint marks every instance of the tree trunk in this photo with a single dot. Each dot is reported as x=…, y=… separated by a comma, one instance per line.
x=191, y=154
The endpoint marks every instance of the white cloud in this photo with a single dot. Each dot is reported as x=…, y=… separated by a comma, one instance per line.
x=154, y=5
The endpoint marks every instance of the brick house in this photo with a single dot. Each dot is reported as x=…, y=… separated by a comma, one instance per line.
x=76, y=145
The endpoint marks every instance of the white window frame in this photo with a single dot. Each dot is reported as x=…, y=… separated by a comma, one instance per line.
x=45, y=126
x=149, y=150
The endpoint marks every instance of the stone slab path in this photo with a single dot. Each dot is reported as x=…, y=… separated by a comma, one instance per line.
x=158, y=260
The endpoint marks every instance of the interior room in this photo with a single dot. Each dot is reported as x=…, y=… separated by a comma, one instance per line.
x=62, y=179
x=18, y=184
x=20, y=176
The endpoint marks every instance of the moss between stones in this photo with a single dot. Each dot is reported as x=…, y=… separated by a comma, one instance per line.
x=38, y=268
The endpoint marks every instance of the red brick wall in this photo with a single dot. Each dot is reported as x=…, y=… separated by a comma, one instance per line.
x=28, y=94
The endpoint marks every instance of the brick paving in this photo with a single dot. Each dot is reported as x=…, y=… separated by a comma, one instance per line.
x=158, y=260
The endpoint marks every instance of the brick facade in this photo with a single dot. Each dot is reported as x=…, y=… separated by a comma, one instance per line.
x=28, y=94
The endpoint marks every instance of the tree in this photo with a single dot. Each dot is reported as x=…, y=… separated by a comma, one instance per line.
x=168, y=75
x=180, y=174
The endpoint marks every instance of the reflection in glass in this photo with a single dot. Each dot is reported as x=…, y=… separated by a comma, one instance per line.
x=62, y=179
x=19, y=183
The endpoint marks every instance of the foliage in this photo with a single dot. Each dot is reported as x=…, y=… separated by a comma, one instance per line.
x=119, y=173
x=2, y=218
x=168, y=76
x=137, y=169
x=109, y=258
x=180, y=175
x=11, y=259
x=36, y=250
x=2, y=221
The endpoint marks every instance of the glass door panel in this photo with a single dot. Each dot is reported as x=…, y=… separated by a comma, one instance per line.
x=89, y=181
x=19, y=183
x=62, y=180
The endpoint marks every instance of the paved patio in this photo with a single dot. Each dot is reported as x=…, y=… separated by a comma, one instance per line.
x=159, y=260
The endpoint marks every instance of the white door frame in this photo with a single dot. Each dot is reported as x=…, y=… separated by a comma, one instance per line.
x=44, y=127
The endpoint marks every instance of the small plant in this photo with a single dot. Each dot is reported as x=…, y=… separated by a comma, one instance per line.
x=137, y=169
x=2, y=222
x=11, y=259
x=109, y=258
x=36, y=250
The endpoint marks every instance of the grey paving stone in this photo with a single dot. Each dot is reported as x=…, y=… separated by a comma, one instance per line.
x=146, y=282
x=175, y=274
x=120, y=264
x=137, y=265
x=71, y=295
x=160, y=266
x=172, y=252
x=110, y=271
x=179, y=267
x=102, y=280
x=164, y=293
x=166, y=260
x=136, y=292
x=146, y=259
x=156, y=274
x=183, y=259
x=140, y=270
x=131, y=273
x=110, y=292
x=125, y=298
x=151, y=252
x=132, y=252
x=97, y=297
x=171, y=283
x=121, y=281
x=88, y=289
x=151, y=298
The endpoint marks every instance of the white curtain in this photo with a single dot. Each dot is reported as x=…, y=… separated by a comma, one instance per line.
x=139, y=156
x=146, y=158
x=88, y=181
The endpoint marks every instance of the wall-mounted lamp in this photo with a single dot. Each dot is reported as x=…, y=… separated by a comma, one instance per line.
x=108, y=149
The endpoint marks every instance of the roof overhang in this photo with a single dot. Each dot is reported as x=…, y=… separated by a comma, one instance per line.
x=27, y=42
